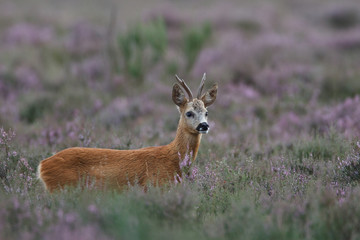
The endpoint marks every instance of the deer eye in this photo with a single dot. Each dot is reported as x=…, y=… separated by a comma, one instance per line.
x=206, y=114
x=189, y=114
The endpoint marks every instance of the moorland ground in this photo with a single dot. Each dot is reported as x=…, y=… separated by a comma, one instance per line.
x=281, y=160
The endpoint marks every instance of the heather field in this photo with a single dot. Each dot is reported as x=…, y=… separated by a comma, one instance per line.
x=282, y=158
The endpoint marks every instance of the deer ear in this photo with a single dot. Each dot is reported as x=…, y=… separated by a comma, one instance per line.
x=178, y=95
x=210, y=96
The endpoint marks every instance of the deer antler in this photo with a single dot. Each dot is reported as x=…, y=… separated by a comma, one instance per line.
x=185, y=86
x=201, y=86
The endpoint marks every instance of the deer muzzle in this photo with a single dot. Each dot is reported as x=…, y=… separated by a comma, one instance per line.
x=203, y=128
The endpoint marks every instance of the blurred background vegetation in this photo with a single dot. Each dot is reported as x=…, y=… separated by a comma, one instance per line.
x=281, y=160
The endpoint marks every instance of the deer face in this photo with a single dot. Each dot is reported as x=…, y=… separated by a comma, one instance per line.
x=193, y=112
x=195, y=117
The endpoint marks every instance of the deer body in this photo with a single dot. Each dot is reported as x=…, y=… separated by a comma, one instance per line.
x=119, y=168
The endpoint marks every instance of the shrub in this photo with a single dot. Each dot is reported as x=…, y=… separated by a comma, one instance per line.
x=142, y=46
x=194, y=40
x=35, y=108
x=16, y=175
x=324, y=148
x=339, y=87
x=342, y=18
x=348, y=168
x=249, y=26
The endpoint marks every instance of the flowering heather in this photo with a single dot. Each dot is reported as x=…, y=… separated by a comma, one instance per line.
x=281, y=160
x=343, y=116
x=15, y=172
x=5, y=138
x=116, y=111
x=124, y=109
x=51, y=137
x=185, y=162
x=185, y=166
x=288, y=125
x=283, y=79
x=348, y=40
x=26, y=77
x=84, y=38
x=69, y=231
x=89, y=69
x=237, y=94
x=349, y=168
x=26, y=33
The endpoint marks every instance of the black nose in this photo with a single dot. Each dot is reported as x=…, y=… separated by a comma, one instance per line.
x=203, y=127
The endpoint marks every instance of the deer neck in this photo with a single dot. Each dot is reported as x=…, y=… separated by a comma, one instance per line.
x=185, y=142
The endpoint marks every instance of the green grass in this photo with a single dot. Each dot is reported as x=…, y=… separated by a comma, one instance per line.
x=323, y=148
x=334, y=88
x=270, y=168
x=226, y=199
x=139, y=40
x=194, y=41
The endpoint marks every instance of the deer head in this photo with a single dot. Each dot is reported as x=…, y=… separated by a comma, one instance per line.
x=193, y=111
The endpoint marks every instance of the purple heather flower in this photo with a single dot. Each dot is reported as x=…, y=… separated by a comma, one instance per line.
x=186, y=162
x=91, y=68
x=177, y=179
x=84, y=38
x=26, y=76
x=92, y=209
x=343, y=116
x=28, y=33
x=6, y=137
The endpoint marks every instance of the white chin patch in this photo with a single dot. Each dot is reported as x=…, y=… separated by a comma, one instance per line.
x=204, y=132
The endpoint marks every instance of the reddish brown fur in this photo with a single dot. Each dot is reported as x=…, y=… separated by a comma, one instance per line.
x=119, y=168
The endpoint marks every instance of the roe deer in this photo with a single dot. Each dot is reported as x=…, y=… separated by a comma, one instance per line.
x=119, y=168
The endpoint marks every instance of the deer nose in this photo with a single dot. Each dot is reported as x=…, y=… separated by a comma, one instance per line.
x=203, y=127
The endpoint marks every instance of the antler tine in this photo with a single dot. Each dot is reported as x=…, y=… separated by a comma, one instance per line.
x=185, y=86
x=201, y=86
